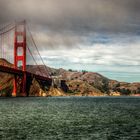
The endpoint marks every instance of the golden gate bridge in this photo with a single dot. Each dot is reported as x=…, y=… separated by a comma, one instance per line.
x=15, y=46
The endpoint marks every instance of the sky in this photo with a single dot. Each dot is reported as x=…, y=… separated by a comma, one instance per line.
x=95, y=35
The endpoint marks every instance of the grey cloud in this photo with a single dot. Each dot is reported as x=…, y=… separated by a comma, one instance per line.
x=98, y=54
x=76, y=15
x=58, y=23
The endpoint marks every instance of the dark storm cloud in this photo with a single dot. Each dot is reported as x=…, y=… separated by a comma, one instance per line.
x=72, y=22
x=76, y=15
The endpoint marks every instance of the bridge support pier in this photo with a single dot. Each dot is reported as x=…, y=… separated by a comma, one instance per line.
x=14, y=94
x=19, y=86
x=24, y=81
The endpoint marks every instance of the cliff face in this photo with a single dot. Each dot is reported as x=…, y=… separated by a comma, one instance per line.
x=76, y=83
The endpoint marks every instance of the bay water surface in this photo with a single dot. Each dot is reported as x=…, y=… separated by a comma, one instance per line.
x=70, y=118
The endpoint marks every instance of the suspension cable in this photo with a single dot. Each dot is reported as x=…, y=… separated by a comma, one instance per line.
x=30, y=52
x=36, y=48
x=7, y=30
x=6, y=26
x=33, y=59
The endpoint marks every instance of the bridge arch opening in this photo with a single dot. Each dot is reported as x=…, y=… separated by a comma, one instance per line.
x=20, y=51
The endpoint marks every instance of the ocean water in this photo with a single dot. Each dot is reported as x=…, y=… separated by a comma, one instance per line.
x=70, y=118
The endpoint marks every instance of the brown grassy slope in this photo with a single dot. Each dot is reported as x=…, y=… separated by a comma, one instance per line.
x=90, y=82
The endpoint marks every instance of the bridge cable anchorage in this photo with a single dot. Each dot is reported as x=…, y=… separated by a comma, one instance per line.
x=37, y=50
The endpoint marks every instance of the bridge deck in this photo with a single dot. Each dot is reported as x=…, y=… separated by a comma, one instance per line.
x=20, y=72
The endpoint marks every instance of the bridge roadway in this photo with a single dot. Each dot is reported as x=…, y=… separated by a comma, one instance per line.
x=20, y=73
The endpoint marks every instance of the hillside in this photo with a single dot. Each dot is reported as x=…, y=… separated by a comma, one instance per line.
x=90, y=83
x=76, y=83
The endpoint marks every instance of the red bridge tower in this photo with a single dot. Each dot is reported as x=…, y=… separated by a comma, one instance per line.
x=20, y=56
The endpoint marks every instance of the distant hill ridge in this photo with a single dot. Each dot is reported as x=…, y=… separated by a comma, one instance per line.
x=84, y=83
